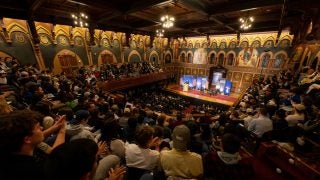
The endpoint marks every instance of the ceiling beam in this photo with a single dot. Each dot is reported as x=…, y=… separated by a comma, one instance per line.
x=35, y=5
x=201, y=10
x=242, y=6
x=142, y=5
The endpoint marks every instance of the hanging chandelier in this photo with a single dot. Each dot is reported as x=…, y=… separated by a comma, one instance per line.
x=246, y=22
x=80, y=19
x=167, y=21
x=160, y=32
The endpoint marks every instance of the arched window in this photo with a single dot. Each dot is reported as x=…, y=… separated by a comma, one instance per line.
x=265, y=60
x=221, y=58
x=182, y=57
x=212, y=58
x=279, y=60
x=189, y=58
x=230, y=59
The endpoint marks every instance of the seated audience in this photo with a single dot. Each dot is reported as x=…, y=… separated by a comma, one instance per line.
x=260, y=125
x=228, y=163
x=179, y=162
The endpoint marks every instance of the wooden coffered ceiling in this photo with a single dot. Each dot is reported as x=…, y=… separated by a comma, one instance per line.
x=193, y=17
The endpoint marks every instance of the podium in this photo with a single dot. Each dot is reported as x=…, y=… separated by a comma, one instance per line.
x=185, y=87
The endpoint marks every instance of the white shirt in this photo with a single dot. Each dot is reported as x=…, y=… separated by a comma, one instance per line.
x=294, y=119
x=260, y=125
x=141, y=158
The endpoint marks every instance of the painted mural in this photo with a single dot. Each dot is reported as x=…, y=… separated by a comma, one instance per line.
x=248, y=57
x=200, y=56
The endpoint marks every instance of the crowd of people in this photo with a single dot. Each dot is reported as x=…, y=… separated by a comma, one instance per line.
x=58, y=127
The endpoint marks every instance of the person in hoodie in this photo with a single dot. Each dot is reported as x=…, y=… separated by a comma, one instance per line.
x=78, y=128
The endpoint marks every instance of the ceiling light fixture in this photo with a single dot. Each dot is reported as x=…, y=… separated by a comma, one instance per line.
x=246, y=22
x=160, y=32
x=80, y=19
x=167, y=21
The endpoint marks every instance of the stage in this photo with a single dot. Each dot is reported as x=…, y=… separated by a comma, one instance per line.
x=219, y=98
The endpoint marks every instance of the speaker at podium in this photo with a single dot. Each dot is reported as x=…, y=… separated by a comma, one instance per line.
x=185, y=87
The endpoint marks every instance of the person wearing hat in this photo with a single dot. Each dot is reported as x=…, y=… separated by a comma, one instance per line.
x=297, y=116
x=76, y=127
x=180, y=162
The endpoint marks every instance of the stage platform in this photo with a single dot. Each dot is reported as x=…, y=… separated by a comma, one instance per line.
x=219, y=98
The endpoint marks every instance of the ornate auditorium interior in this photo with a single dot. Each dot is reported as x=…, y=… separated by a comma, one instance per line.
x=210, y=57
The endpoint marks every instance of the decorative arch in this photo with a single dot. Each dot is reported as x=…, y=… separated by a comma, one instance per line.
x=132, y=53
x=63, y=40
x=245, y=39
x=167, y=57
x=104, y=57
x=223, y=44
x=284, y=43
x=45, y=39
x=78, y=33
x=212, y=55
x=214, y=44
x=286, y=37
x=279, y=59
x=265, y=58
x=189, y=56
x=57, y=66
x=221, y=57
x=280, y=52
x=16, y=27
x=182, y=56
x=256, y=43
x=231, y=55
x=270, y=38
x=105, y=42
x=105, y=35
x=152, y=54
x=232, y=43
x=61, y=31
x=43, y=30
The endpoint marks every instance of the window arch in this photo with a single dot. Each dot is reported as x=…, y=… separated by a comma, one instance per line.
x=183, y=57
x=212, y=58
x=221, y=59
x=230, y=59
x=189, y=58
